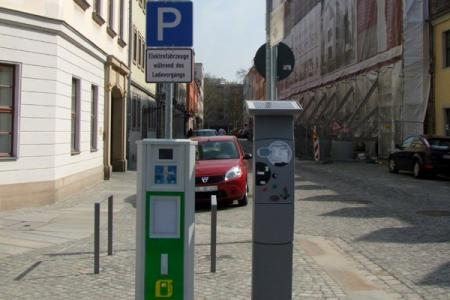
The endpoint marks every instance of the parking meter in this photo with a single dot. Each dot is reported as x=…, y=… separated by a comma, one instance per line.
x=165, y=219
x=274, y=197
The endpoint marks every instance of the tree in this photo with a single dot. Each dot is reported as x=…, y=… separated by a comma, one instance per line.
x=223, y=103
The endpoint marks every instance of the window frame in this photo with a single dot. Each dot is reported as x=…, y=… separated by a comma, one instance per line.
x=75, y=116
x=14, y=110
x=94, y=118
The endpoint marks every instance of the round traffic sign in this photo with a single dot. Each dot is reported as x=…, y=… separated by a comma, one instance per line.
x=285, y=61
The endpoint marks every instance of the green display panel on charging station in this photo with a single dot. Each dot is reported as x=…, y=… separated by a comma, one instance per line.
x=165, y=207
x=164, y=262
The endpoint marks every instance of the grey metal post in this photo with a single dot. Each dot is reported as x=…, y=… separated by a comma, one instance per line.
x=274, y=74
x=268, y=51
x=273, y=198
x=213, y=232
x=168, y=111
x=110, y=225
x=96, y=238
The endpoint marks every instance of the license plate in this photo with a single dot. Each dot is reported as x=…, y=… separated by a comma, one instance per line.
x=209, y=188
x=446, y=156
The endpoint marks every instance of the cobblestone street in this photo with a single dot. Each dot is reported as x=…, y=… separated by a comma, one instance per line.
x=358, y=236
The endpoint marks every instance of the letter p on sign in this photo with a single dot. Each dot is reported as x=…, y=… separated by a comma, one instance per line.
x=169, y=23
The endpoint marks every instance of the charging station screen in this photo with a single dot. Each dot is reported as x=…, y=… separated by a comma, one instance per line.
x=166, y=154
x=165, y=217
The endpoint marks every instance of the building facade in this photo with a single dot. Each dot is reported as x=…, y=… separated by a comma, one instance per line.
x=63, y=90
x=440, y=11
x=143, y=111
x=362, y=72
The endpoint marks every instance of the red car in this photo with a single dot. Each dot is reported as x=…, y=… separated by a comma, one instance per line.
x=220, y=169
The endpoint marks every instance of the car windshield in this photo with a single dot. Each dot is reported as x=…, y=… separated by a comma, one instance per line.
x=217, y=150
x=439, y=144
x=204, y=133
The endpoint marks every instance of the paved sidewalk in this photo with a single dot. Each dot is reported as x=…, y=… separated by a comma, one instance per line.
x=52, y=258
x=69, y=219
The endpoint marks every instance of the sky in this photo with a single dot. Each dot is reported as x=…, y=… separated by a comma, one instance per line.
x=227, y=34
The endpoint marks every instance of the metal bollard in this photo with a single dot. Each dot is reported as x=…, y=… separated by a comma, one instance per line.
x=110, y=225
x=96, y=238
x=213, y=232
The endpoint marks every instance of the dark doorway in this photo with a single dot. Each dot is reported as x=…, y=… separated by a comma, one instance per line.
x=117, y=131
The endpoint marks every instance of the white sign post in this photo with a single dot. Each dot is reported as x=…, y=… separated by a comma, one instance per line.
x=169, y=65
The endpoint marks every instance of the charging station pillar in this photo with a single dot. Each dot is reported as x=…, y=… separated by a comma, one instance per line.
x=274, y=197
x=165, y=207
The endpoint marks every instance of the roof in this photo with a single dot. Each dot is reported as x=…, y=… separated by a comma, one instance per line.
x=276, y=108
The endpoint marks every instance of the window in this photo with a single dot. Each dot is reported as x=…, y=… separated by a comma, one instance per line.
x=139, y=63
x=75, y=119
x=98, y=7
x=135, y=46
x=447, y=49
x=136, y=113
x=94, y=117
x=407, y=142
x=110, y=28
x=122, y=20
x=97, y=12
x=111, y=13
x=143, y=54
x=152, y=117
x=7, y=110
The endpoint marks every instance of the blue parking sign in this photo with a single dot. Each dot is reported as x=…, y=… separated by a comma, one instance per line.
x=169, y=24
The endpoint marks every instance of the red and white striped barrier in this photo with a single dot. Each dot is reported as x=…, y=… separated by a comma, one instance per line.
x=316, y=144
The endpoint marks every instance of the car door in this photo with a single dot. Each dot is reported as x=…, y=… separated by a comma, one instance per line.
x=403, y=156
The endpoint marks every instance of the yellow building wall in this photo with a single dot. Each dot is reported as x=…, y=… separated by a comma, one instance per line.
x=442, y=75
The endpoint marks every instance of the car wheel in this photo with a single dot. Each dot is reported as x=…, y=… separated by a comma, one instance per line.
x=244, y=201
x=392, y=166
x=418, y=173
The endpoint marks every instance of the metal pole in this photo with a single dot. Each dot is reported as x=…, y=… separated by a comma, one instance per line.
x=168, y=111
x=268, y=52
x=110, y=225
x=96, y=238
x=274, y=74
x=213, y=232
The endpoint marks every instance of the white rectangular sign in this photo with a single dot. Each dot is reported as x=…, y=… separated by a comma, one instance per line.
x=169, y=65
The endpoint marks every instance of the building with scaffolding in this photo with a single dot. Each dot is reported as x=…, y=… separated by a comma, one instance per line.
x=361, y=73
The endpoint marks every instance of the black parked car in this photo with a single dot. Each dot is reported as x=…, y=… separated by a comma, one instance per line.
x=423, y=155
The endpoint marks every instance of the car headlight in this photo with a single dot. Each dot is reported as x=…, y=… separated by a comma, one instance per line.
x=232, y=173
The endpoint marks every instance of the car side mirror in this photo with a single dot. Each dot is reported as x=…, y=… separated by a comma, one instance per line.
x=248, y=156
